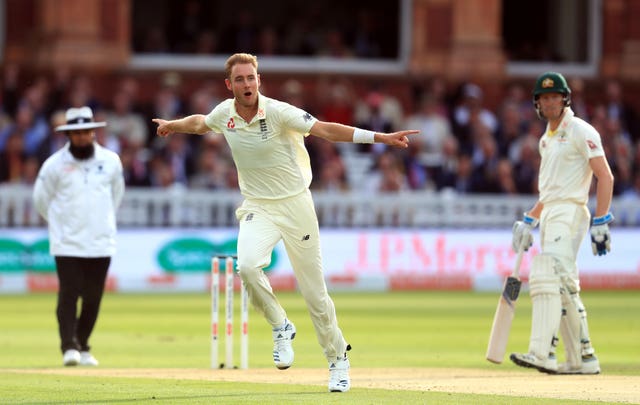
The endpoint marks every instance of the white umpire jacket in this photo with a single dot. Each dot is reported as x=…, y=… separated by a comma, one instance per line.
x=79, y=200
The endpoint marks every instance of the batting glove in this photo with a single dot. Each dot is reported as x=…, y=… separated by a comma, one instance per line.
x=600, y=235
x=522, y=237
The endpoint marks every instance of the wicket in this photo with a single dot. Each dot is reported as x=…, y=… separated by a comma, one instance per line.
x=215, y=308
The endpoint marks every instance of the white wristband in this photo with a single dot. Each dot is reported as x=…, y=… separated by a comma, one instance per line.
x=363, y=136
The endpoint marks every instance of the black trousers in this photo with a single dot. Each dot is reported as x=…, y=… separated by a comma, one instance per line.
x=84, y=278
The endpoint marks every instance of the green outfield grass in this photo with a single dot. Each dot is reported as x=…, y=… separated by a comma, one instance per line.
x=417, y=329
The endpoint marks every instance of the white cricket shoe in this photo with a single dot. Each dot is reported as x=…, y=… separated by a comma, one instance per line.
x=71, y=357
x=339, y=380
x=87, y=359
x=548, y=365
x=590, y=365
x=282, y=349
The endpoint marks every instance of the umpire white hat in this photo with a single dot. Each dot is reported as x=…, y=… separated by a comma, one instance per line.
x=78, y=119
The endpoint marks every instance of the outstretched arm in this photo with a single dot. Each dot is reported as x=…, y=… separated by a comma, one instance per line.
x=193, y=124
x=334, y=132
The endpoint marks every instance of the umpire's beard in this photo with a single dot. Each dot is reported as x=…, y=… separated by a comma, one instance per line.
x=82, y=152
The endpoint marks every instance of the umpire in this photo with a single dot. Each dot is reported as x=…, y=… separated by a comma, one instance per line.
x=78, y=191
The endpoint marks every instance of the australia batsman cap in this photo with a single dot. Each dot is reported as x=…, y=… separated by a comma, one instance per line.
x=78, y=119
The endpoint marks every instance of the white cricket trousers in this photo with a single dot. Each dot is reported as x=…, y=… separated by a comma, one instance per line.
x=263, y=223
x=562, y=228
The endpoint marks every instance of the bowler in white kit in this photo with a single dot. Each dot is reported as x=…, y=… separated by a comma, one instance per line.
x=571, y=155
x=266, y=138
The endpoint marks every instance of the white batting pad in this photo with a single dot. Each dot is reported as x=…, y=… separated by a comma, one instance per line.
x=574, y=329
x=544, y=288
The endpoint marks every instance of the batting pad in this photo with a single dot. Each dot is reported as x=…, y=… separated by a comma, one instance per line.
x=544, y=288
x=574, y=329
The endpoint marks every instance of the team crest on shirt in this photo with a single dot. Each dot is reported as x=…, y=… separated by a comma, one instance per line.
x=592, y=145
x=263, y=128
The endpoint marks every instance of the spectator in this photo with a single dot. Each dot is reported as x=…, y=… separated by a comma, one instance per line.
x=518, y=97
x=578, y=101
x=445, y=175
x=105, y=138
x=387, y=176
x=525, y=170
x=618, y=108
x=388, y=106
x=135, y=168
x=292, y=92
x=510, y=128
x=179, y=158
x=54, y=139
x=12, y=159
x=327, y=165
x=210, y=171
x=125, y=124
x=10, y=89
x=81, y=93
x=485, y=161
x=434, y=132
x=30, y=128
x=374, y=120
x=469, y=109
x=336, y=102
x=505, y=181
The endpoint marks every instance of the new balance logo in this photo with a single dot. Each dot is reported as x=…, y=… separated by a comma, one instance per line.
x=306, y=237
x=249, y=217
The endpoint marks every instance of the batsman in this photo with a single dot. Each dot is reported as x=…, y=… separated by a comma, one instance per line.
x=571, y=154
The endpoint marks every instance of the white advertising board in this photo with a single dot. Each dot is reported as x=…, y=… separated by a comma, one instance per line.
x=179, y=259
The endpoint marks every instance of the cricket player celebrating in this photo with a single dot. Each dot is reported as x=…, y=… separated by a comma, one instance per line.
x=571, y=153
x=266, y=138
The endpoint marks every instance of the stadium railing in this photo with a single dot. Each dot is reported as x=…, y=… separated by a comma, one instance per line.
x=182, y=207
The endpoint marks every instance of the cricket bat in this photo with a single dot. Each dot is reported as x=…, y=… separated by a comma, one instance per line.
x=504, y=314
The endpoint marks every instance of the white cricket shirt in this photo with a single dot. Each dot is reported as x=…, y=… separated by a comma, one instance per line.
x=79, y=200
x=269, y=151
x=565, y=174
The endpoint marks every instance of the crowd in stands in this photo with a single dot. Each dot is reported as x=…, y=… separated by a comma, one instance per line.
x=464, y=146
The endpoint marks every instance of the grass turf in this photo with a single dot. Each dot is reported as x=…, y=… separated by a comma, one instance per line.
x=414, y=329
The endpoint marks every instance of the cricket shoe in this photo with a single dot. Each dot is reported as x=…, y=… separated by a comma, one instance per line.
x=71, y=357
x=590, y=365
x=548, y=365
x=339, y=380
x=282, y=349
x=87, y=359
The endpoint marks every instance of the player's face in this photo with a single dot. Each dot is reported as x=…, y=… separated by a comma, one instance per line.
x=244, y=84
x=551, y=105
x=80, y=138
